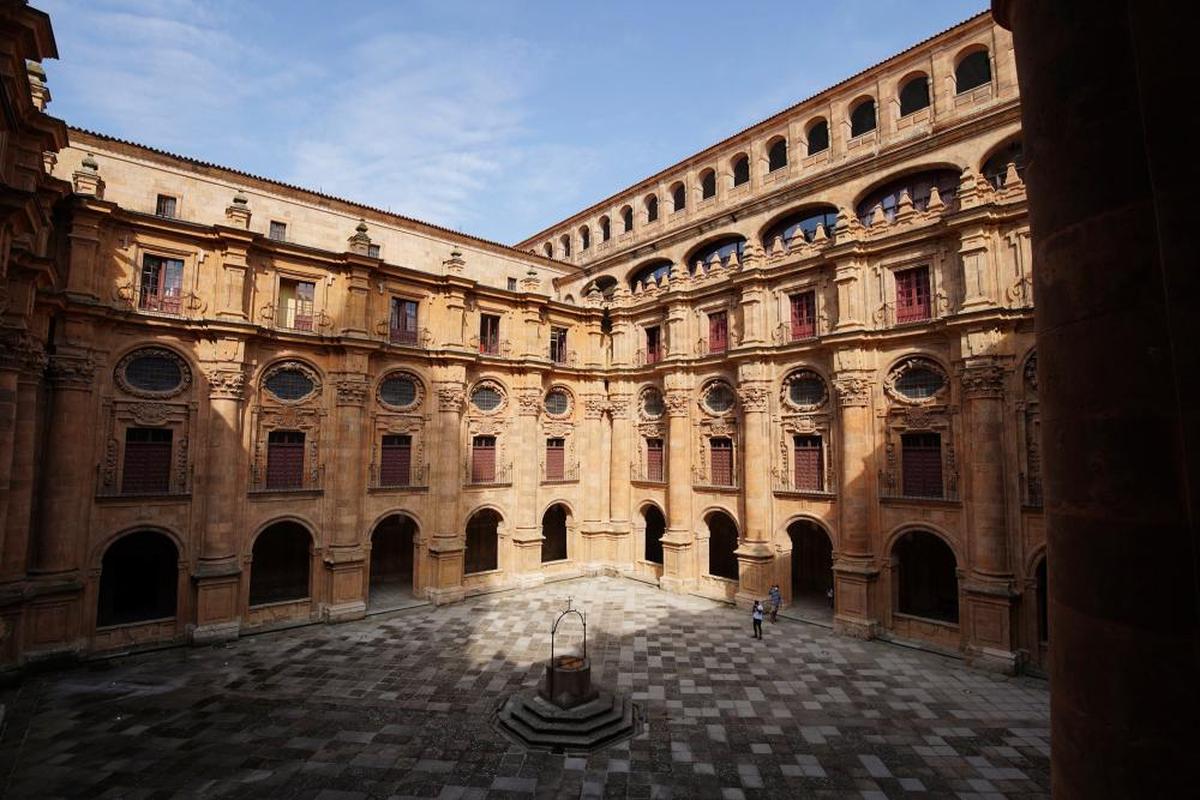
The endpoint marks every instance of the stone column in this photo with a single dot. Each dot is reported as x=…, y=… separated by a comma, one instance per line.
x=218, y=570
x=679, y=546
x=446, y=545
x=1116, y=289
x=754, y=551
x=621, y=531
x=345, y=557
x=9, y=376
x=595, y=524
x=529, y=453
x=14, y=558
x=854, y=571
x=989, y=592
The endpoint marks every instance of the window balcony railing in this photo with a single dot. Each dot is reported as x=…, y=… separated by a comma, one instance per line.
x=569, y=473
x=170, y=486
x=650, y=357
x=640, y=473
x=501, y=349
x=476, y=475
x=702, y=480
x=784, y=482
x=261, y=482
x=888, y=316
x=170, y=303
x=897, y=493
x=786, y=333
x=417, y=479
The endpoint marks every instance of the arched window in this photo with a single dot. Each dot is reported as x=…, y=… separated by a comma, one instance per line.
x=651, y=272
x=996, y=167
x=708, y=184
x=656, y=526
x=722, y=546
x=812, y=563
x=605, y=229
x=585, y=237
x=392, y=560
x=139, y=579
x=777, y=155
x=919, y=186
x=927, y=580
x=627, y=219
x=652, y=208
x=862, y=118
x=974, y=70
x=716, y=252
x=554, y=533
x=741, y=170
x=818, y=137
x=803, y=222
x=280, y=564
x=483, y=542
x=548, y=249
x=605, y=285
x=565, y=241
x=678, y=197
x=914, y=95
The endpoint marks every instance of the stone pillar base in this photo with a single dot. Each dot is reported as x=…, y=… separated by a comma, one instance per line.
x=443, y=596
x=754, y=573
x=528, y=580
x=344, y=612
x=989, y=616
x=1003, y=661
x=855, y=610
x=216, y=632
x=855, y=627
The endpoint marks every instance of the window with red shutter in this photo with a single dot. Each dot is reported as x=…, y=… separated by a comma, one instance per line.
x=718, y=332
x=921, y=455
x=804, y=315
x=654, y=459
x=162, y=284
x=721, y=461
x=395, y=461
x=483, y=459
x=285, y=460
x=558, y=345
x=912, y=295
x=403, y=327
x=147, y=467
x=809, y=464
x=489, y=334
x=555, y=459
x=653, y=345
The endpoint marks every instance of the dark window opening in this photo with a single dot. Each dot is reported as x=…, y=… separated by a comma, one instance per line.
x=147, y=467
x=818, y=138
x=289, y=384
x=373, y=251
x=605, y=229
x=777, y=155
x=395, y=460
x=919, y=186
x=554, y=534
x=927, y=577
x=489, y=334
x=164, y=206
x=921, y=463
x=585, y=238
x=802, y=224
x=402, y=328
x=974, y=70
x=653, y=344
x=708, y=185
x=280, y=564
x=862, y=118
x=656, y=526
x=995, y=169
x=651, y=208
x=285, y=460
x=741, y=171
x=139, y=580
x=722, y=546
x=558, y=345
x=566, y=245
x=718, y=252
x=277, y=231
x=678, y=198
x=482, y=551
x=392, y=556
x=162, y=284
x=627, y=219
x=153, y=372
x=914, y=95
x=650, y=274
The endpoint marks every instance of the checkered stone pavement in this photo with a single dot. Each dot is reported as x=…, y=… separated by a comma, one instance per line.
x=398, y=705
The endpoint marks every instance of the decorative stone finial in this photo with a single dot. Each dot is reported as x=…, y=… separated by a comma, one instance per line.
x=935, y=200
x=37, y=85
x=360, y=242
x=455, y=263
x=531, y=282
x=238, y=212
x=86, y=180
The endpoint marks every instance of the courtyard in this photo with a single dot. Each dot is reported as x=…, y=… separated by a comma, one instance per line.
x=398, y=705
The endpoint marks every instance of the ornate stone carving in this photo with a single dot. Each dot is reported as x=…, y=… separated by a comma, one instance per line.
x=753, y=398
x=227, y=384
x=483, y=385
x=529, y=402
x=400, y=374
x=150, y=413
x=292, y=365
x=852, y=390
x=619, y=405
x=712, y=391
x=649, y=399
x=594, y=406
x=983, y=381
x=803, y=379
x=352, y=390
x=1031, y=374
x=21, y=351
x=71, y=371
x=677, y=402
x=891, y=384
x=122, y=378
x=451, y=397
x=916, y=418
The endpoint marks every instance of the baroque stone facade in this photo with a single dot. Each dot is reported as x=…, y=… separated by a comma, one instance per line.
x=807, y=361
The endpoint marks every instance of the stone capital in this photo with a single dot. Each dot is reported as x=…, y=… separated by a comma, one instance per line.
x=753, y=397
x=852, y=390
x=352, y=389
x=21, y=352
x=451, y=397
x=678, y=402
x=226, y=383
x=70, y=371
x=985, y=380
x=529, y=402
x=620, y=405
x=594, y=406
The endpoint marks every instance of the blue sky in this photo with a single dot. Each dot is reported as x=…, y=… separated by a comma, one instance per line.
x=495, y=118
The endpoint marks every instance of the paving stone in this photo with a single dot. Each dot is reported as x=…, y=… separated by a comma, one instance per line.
x=397, y=706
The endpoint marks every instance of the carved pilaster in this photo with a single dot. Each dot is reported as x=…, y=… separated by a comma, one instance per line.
x=351, y=389
x=529, y=402
x=678, y=401
x=70, y=371
x=753, y=397
x=983, y=381
x=852, y=390
x=225, y=383
x=451, y=397
x=594, y=406
x=619, y=405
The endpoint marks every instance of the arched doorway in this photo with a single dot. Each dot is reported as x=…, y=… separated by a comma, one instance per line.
x=139, y=580
x=483, y=542
x=927, y=579
x=392, y=562
x=812, y=568
x=554, y=533
x=722, y=545
x=280, y=564
x=656, y=526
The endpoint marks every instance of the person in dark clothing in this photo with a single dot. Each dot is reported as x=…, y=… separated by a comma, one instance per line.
x=756, y=614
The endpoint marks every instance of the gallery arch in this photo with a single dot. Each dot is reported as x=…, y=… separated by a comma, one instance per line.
x=554, y=533
x=926, y=577
x=656, y=526
x=722, y=545
x=812, y=564
x=139, y=579
x=280, y=564
x=392, y=560
x=483, y=542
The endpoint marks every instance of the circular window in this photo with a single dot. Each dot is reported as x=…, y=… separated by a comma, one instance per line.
x=558, y=402
x=719, y=398
x=919, y=383
x=486, y=398
x=154, y=371
x=398, y=390
x=290, y=384
x=806, y=389
x=652, y=403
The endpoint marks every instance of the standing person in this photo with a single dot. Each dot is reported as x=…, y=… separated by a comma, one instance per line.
x=756, y=614
x=776, y=601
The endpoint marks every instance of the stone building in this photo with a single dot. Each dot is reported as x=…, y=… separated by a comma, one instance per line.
x=803, y=356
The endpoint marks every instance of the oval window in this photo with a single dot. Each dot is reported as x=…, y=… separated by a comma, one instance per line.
x=719, y=398
x=557, y=402
x=806, y=389
x=919, y=383
x=486, y=398
x=154, y=372
x=399, y=391
x=290, y=384
x=652, y=403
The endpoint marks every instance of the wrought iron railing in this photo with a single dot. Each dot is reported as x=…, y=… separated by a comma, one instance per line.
x=501, y=475
x=640, y=473
x=417, y=478
x=311, y=480
x=568, y=474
